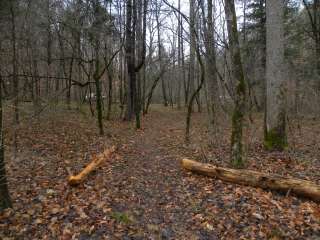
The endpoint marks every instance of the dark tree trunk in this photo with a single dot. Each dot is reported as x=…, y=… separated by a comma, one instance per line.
x=5, y=201
x=110, y=95
x=14, y=63
x=97, y=75
x=132, y=106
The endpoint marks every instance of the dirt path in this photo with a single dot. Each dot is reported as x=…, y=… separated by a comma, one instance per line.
x=142, y=193
x=152, y=181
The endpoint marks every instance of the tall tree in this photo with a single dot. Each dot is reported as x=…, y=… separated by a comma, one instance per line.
x=275, y=120
x=211, y=65
x=160, y=52
x=132, y=100
x=180, y=71
x=192, y=61
x=239, y=78
x=97, y=25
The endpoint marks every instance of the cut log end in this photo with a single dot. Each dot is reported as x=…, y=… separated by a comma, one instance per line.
x=298, y=187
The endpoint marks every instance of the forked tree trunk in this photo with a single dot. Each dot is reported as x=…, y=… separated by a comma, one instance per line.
x=256, y=179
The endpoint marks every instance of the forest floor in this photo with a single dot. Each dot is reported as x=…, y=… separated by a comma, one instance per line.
x=143, y=193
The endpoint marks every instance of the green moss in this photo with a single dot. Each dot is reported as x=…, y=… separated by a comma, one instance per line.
x=275, y=140
x=236, y=139
x=122, y=217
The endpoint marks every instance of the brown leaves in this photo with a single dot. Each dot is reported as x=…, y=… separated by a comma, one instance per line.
x=142, y=192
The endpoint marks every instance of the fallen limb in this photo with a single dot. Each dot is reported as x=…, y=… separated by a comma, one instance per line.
x=97, y=160
x=256, y=179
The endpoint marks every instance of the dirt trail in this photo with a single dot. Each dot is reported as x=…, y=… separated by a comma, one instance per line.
x=153, y=177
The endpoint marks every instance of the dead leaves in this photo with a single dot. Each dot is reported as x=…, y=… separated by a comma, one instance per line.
x=142, y=193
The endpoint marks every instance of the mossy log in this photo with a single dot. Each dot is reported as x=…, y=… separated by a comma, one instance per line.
x=299, y=187
x=96, y=162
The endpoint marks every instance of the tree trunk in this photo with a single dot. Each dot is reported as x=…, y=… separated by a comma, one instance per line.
x=240, y=93
x=179, y=58
x=132, y=106
x=98, y=95
x=212, y=84
x=275, y=121
x=160, y=47
x=110, y=91
x=14, y=63
x=256, y=179
x=5, y=200
x=97, y=75
x=192, y=30
x=194, y=95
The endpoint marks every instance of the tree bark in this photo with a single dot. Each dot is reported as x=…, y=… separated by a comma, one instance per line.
x=132, y=107
x=97, y=74
x=192, y=30
x=160, y=48
x=212, y=84
x=14, y=63
x=256, y=179
x=5, y=200
x=240, y=91
x=275, y=121
x=180, y=70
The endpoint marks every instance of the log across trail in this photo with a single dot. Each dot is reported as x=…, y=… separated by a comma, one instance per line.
x=96, y=162
x=299, y=187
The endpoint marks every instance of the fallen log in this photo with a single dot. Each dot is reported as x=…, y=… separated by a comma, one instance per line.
x=96, y=161
x=299, y=187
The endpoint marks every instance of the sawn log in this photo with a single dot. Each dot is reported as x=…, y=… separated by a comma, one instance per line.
x=96, y=161
x=299, y=187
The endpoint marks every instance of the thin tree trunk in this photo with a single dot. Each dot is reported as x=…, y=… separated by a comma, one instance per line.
x=191, y=79
x=179, y=58
x=163, y=83
x=193, y=96
x=110, y=93
x=14, y=64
